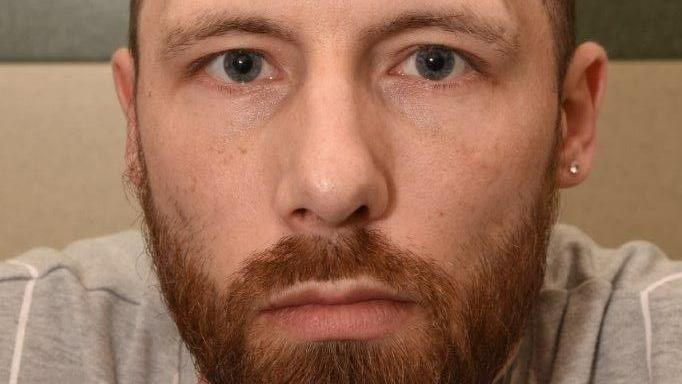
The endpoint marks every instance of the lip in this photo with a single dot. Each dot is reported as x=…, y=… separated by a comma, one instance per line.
x=349, y=309
x=346, y=291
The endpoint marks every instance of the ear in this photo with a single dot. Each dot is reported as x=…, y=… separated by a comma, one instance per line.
x=123, y=68
x=583, y=92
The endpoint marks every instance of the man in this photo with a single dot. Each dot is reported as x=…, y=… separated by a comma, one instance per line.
x=349, y=192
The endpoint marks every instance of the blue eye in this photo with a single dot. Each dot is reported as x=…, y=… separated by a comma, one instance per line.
x=243, y=66
x=240, y=66
x=434, y=63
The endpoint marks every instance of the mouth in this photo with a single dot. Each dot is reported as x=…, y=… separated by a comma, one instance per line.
x=349, y=309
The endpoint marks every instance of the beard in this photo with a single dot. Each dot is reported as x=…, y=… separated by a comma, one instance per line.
x=474, y=314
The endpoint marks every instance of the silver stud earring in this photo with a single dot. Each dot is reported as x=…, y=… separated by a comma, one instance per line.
x=575, y=168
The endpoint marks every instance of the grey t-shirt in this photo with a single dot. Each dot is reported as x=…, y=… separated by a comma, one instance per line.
x=92, y=313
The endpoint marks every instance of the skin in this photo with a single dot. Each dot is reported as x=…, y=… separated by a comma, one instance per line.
x=339, y=138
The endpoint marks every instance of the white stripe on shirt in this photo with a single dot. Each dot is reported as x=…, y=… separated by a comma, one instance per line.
x=23, y=321
x=646, y=313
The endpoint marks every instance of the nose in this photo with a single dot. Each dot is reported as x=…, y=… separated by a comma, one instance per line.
x=334, y=175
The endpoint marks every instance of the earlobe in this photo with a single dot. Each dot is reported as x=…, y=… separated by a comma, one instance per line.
x=583, y=91
x=123, y=69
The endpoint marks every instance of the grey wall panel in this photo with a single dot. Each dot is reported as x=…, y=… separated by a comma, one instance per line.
x=61, y=30
x=633, y=29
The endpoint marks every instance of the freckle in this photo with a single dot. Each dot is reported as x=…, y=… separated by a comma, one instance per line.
x=149, y=94
x=193, y=183
x=243, y=150
x=440, y=214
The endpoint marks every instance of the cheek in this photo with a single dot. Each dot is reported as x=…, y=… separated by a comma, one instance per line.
x=205, y=165
x=200, y=141
x=470, y=169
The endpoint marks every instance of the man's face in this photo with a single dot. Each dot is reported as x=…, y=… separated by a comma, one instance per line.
x=358, y=186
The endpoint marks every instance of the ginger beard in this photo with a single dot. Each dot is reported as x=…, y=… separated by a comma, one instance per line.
x=470, y=321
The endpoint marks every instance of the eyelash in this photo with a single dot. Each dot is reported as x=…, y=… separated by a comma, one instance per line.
x=474, y=62
x=195, y=68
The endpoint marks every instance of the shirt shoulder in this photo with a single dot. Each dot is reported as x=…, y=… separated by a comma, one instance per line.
x=608, y=315
x=575, y=259
x=91, y=312
x=115, y=263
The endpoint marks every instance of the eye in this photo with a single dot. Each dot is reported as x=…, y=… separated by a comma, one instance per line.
x=434, y=63
x=240, y=66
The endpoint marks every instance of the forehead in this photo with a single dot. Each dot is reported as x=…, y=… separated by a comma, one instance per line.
x=169, y=9
x=333, y=16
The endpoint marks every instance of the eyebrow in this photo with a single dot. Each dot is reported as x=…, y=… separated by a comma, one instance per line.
x=503, y=38
x=178, y=39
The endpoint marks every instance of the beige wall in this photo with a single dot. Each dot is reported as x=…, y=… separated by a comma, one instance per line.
x=60, y=156
x=635, y=191
x=62, y=148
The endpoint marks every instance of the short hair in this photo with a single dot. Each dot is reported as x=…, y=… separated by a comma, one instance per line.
x=561, y=16
x=133, y=20
x=562, y=21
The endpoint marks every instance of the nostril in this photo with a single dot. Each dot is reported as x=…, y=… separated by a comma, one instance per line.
x=304, y=215
x=360, y=214
x=300, y=213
